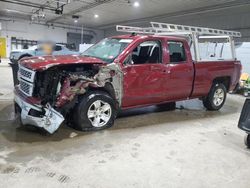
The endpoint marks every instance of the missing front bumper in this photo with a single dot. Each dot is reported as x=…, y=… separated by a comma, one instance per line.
x=50, y=120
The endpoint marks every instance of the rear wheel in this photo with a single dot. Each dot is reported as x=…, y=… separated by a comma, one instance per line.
x=95, y=111
x=216, y=97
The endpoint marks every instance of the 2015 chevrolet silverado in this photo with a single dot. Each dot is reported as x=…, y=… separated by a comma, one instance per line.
x=120, y=72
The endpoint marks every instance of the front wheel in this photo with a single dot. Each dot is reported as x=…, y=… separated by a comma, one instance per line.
x=95, y=111
x=216, y=97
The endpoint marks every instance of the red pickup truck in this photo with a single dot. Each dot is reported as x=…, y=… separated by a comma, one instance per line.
x=118, y=73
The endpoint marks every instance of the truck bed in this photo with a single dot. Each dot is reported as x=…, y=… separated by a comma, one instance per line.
x=207, y=71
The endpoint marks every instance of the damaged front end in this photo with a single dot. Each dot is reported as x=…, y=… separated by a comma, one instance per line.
x=46, y=98
x=44, y=117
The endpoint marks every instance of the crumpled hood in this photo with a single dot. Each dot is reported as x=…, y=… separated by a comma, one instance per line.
x=45, y=62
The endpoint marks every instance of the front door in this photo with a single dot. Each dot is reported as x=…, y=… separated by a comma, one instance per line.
x=144, y=75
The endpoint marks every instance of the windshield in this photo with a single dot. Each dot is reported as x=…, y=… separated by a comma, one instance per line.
x=107, y=49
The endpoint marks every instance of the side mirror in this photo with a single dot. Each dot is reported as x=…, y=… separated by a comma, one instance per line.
x=128, y=60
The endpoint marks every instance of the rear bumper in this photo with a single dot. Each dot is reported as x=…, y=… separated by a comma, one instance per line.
x=36, y=115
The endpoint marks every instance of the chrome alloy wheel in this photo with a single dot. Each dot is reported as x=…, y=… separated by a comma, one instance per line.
x=99, y=113
x=219, y=96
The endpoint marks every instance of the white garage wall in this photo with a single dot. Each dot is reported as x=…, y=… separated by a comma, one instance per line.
x=243, y=54
x=25, y=30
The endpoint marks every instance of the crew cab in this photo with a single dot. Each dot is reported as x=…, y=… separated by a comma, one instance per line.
x=118, y=73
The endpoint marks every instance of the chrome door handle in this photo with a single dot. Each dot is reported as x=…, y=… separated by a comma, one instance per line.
x=167, y=71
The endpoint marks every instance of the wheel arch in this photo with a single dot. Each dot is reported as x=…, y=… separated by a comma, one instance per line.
x=24, y=55
x=225, y=80
x=108, y=88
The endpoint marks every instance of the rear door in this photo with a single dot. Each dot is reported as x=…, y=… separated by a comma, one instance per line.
x=144, y=75
x=180, y=71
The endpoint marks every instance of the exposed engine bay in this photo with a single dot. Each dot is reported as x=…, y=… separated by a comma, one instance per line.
x=59, y=87
x=58, y=84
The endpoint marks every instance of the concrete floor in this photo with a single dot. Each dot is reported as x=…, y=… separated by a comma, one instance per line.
x=188, y=147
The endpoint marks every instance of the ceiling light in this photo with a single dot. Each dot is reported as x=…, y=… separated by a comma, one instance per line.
x=75, y=18
x=96, y=16
x=136, y=4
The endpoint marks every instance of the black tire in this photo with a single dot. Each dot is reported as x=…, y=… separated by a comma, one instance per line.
x=209, y=101
x=167, y=106
x=247, y=140
x=80, y=114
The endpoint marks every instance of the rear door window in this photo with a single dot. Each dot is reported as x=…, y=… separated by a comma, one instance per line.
x=176, y=52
